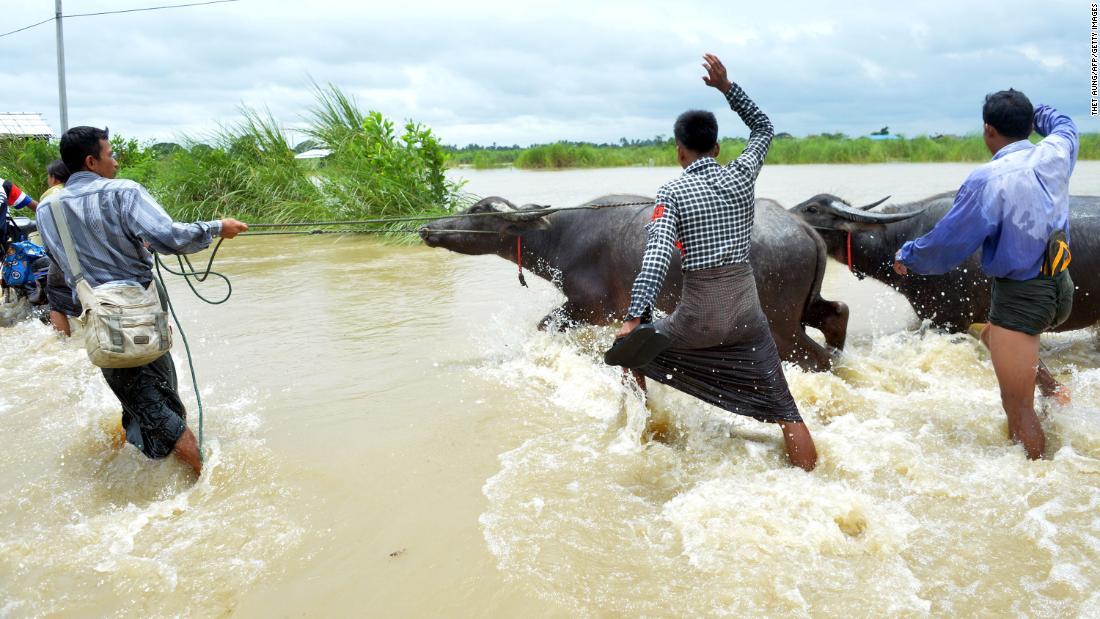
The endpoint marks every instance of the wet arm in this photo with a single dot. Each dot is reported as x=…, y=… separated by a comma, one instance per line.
x=760, y=131
x=956, y=236
x=661, y=239
x=1057, y=128
x=13, y=196
x=148, y=221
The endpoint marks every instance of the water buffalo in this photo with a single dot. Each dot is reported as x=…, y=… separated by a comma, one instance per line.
x=592, y=256
x=959, y=298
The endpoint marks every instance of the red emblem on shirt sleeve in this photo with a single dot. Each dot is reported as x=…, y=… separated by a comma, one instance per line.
x=658, y=212
x=15, y=196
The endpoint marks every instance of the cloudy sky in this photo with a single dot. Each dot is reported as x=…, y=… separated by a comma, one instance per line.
x=513, y=72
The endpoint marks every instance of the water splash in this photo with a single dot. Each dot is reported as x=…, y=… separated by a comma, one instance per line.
x=92, y=527
x=919, y=504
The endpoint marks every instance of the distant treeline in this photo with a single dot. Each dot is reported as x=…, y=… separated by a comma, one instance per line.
x=660, y=151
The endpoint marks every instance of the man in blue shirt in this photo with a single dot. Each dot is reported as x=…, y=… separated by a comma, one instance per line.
x=1016, y=208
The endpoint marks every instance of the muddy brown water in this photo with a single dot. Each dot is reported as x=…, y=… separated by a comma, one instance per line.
x=389, y=436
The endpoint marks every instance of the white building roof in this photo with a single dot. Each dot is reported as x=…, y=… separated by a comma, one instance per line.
x=314, y=153
x=24, y=125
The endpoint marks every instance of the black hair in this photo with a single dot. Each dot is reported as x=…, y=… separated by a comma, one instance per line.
x=1009, y=112
x=58, y=170
x=80, y=142
x=696, y=130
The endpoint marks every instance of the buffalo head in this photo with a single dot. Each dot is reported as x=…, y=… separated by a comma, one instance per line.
x=828, y=212
x=494, y=221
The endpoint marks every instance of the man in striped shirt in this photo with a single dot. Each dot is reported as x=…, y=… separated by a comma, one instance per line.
x=114, y=224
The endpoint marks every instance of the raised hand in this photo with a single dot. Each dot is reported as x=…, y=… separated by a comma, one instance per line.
x=716, y=73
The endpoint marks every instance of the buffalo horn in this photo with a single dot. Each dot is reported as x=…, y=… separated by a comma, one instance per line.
x=873, y=204
x=854, y=214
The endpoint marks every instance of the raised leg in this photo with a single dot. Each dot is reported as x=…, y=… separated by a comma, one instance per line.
x=803, y=351
x=565, y=317
x=831, y=317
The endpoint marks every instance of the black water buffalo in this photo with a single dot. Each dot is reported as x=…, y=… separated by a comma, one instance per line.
x=592, y=256
x=957, y=299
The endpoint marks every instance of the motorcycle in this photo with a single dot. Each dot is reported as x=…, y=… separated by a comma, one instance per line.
x=23, y=271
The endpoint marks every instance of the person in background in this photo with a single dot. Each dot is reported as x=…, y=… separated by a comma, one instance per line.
x=11, y=196
x=14, y=198
x=62, y=302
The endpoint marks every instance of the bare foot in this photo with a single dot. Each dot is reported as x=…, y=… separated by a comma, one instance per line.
x=1061, y=395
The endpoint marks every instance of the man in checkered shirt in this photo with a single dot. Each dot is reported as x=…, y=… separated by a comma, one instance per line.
x=722, y=349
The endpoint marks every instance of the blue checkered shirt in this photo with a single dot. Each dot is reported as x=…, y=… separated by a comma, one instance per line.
x=707, y=212
x=110, y=222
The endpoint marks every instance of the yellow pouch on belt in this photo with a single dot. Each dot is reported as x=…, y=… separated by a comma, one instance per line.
x=1058, y=256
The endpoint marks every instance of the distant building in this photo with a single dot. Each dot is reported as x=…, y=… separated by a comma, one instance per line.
x=882, y=134
x=314, y=153
x=23, y=125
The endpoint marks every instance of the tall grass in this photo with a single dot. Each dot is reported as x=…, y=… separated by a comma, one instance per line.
x=563, y=155
x=247, y=170
x=24, y=161
x=483, y=158
x=812, y=149
x=373, y=169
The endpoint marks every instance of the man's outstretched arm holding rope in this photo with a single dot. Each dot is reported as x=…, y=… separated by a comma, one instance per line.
x=147, y=220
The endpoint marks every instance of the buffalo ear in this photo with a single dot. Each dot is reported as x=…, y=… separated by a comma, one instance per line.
x=541, y=223
x=529, y=220
x=526, y=225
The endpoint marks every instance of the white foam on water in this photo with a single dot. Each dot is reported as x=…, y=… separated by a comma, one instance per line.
x=94, y=528
x=920, y=505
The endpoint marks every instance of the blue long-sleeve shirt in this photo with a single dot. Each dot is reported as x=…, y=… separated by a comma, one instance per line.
x=110, y=222
x=1008, y=207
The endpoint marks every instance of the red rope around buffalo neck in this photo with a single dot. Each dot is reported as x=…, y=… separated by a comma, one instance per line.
x=519, y=260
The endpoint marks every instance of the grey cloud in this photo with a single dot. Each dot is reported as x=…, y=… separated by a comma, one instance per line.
x=508, y=72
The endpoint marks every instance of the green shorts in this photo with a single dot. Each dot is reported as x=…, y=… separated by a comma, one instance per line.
x=1031, y=306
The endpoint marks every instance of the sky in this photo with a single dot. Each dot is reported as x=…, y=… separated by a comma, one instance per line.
x=517, y=73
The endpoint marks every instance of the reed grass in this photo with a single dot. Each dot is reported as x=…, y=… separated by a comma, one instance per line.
x=806, y=150
x=247, y=170
x=24, y=163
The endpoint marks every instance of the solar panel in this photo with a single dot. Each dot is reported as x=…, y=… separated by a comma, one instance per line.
x=24, y=125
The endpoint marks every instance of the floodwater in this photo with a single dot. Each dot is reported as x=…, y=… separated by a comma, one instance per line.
x=388, y=435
